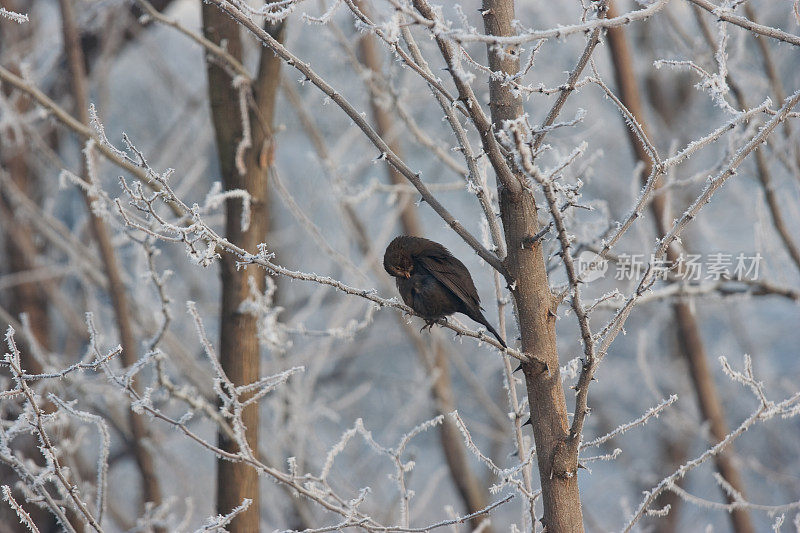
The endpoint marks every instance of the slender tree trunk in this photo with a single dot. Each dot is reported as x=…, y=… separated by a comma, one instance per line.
x=534, y=304
x=151, y=491
x=383, y=123
x=469, y=487
x=26, y=298
x=689, y=337
x=238, y=345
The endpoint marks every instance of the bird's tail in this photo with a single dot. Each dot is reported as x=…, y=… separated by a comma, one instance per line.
x=482, y=319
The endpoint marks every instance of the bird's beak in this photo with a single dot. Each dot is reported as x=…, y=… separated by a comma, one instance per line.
x=407, y=274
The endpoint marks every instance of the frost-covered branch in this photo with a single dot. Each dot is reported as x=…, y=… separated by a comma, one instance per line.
x=466, y=94
x=36, y=418
x=651, y=413
x=726, y=14
x=526, y=35
x=24, y=517
x=766, y=410
x=614, y=326
x=20, y=18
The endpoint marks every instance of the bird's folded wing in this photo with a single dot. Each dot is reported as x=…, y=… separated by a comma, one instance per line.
x=452, y=273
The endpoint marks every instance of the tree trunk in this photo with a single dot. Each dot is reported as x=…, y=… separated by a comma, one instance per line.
x=533, y=303
x=151, y=492
x=26, y=298
x=238, y=345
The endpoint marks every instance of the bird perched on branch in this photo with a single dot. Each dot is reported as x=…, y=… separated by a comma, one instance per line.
x=432, y=282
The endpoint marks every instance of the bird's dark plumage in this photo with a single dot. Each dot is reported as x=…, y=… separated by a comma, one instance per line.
x=432, y=282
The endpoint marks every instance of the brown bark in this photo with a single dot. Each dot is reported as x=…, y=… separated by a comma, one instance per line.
x=238, y=346
x=25, y=298
x=533, y=303
x=688, y=331
x=151, y=491
x=28, y=297
x=469, y=487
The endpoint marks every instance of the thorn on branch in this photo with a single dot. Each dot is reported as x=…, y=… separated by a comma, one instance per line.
x=530, y=241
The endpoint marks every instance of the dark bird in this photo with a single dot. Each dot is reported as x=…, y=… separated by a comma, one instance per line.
x=432, y=282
